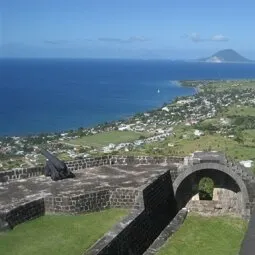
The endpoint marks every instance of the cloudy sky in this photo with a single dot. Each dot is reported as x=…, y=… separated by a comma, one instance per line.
x=176, y=29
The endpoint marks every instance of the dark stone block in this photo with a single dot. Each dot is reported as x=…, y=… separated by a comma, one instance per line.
x=136, y=237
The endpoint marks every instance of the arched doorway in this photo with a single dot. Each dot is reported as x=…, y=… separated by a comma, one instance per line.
x=230, y=194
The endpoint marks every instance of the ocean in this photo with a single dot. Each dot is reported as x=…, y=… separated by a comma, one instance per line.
x=50, y=95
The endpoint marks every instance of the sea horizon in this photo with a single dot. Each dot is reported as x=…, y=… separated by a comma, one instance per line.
x=46, y=96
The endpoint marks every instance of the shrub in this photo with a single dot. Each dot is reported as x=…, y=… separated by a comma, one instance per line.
x=205, y=188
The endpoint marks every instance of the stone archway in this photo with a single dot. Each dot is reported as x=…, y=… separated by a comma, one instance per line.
x=185, y=185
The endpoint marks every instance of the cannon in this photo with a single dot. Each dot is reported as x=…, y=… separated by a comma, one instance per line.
x=55, y=168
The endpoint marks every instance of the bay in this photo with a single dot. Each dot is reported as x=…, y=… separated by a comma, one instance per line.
x=49, y=95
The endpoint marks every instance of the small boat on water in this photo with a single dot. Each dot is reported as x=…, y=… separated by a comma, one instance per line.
x=158, y=91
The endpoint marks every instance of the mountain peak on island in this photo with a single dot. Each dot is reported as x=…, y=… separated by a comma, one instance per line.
x=226, y=56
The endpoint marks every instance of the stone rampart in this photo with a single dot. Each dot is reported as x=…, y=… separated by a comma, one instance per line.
x=74, y=203
x=23, y=173
x=138, y=231
x=22, y=213
x=123, y=197
x=91, y=201
x=78, y=203
x=20, y=173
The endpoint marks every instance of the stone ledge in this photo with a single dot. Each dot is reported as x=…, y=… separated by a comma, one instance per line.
x=73, y=203
x=24, y=212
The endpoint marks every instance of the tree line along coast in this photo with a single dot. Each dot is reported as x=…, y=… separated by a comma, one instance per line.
x=220, y=116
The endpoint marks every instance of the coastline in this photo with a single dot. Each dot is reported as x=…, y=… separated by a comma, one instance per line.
x=141, y=129
x=196, y=85
x=110, y=90
x=123, y=117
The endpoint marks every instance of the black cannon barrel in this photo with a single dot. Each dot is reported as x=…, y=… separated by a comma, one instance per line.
x=55, y=161
x=55, y=168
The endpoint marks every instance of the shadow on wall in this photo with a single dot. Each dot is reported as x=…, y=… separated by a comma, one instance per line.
x=160, y=208
x=248, y=243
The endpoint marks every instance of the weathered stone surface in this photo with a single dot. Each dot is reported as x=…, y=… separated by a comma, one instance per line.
x=141, y=183
x=17, y=192
x=4, y=226
x=138, y=231
x=248, y=243
x=82, y=164
x=96, y=189
x=224, y=173
x=21, y=213
x=169, y=230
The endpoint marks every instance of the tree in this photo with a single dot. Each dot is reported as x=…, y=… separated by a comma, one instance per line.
x=239, y=138
x=205, y=188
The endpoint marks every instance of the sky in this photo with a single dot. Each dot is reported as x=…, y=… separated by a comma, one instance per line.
x=170, y=29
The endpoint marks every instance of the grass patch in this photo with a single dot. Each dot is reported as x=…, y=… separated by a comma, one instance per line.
x=207, y=235
x=59, y=234
x=228, y=85
x=239, y=111
x=184, y=142
x=103, y=139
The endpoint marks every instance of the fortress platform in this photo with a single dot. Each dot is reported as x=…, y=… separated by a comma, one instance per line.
x=16, y=192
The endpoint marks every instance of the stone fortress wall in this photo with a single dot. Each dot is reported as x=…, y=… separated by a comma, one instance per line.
x=94, y=200
x=148, y=202
x=136, y=233
x=22, y=173
x=27, y=211
x=153, y=207
x=121, y=197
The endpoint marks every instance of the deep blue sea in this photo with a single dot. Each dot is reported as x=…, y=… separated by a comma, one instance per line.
x=48, y=95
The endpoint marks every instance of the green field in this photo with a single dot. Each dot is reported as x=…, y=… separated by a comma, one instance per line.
x=239, y=111
x=227, y=85
x=54, y=235
x=220, y=86
x=206, y=235
x=184, y=143
x=185, y=146
x=103, y=139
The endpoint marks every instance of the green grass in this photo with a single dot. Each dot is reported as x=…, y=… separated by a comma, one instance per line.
x=220, y=86
x=103, y=139
x=54, y=235
x=185, y=146
x=228, y=85
x=206, y=236
x=240, y=111
x=212, y=142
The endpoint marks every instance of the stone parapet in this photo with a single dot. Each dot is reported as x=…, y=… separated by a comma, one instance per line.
x=78, y=203
x=20, y=173
x=22, y=213
x=137, y=231
x=123, y=198
x=23, y=173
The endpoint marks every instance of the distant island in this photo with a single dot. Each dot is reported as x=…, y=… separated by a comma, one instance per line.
x=226, y=56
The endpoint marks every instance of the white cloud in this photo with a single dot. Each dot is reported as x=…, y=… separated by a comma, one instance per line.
x=195, y=37
x=120, y=40
x=220, y=38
